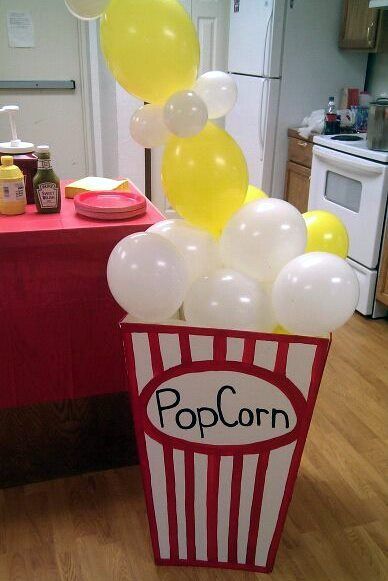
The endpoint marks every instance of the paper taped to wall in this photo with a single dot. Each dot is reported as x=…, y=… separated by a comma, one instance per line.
x=20, y=30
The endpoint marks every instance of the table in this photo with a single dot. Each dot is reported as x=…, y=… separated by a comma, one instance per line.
x=59, y=336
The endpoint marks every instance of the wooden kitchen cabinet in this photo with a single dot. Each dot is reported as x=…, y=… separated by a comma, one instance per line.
x=382, y=281
x=297, y=186
x=298, y=170
x=300, y=151
x=360, y=27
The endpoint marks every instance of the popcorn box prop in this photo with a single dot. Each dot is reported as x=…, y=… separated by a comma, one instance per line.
x=221, y=420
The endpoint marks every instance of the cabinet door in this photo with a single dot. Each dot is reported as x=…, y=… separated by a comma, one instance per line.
x=359, y=25
x=300, y=151
x=382, y=281
x=297, y=186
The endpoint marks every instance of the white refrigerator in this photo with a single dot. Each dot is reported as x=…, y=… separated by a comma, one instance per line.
x=284, y=57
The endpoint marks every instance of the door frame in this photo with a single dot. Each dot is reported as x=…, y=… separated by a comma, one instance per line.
x=90, y=95
x=85, y=64
x=92, y=99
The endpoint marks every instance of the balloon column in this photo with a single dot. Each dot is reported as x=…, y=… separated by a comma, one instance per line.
x=152, y=49
x=238, y=259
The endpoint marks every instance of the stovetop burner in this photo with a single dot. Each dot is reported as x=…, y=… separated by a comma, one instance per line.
x=346, y=137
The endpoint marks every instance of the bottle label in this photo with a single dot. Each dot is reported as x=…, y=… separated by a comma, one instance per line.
x=13, y=191
x=44, y=164
x=48, y=194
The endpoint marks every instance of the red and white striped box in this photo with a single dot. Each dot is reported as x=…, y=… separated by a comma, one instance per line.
x=221, y=420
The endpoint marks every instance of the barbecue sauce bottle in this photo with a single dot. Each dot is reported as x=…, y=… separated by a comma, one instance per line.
x=47, y=191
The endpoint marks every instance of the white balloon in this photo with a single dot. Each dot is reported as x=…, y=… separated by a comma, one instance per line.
x=198, y=247
x=185, y=114
x=147, y=276
x=230, y=300
x=267, y=287
x=86, y=9
x=315, y=293
x=261, y=237
x=147, y=126
x=219, y=92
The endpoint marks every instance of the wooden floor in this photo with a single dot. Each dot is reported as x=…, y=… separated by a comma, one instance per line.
x=94, y=527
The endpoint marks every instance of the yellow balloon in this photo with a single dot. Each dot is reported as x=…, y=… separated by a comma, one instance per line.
x=279, y=330
x=151, y=47
x=326, y=233
x=205, y=177
x=253, y=194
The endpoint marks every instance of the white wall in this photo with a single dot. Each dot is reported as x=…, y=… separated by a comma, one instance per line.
x=377, y=77
x=131, y=163
x=378, y=74
x=313, y=69
x=59, y=118
x=108, y=112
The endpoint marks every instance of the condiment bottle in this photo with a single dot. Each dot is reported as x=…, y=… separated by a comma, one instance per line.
x=331, y=122
x=46, y=184
x=22, y=152
x=12, y=191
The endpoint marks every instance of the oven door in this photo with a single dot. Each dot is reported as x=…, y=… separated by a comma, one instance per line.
x=354, y=189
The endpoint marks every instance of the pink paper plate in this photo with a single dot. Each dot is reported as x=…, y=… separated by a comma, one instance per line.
x=109, y=201
x=108, y=215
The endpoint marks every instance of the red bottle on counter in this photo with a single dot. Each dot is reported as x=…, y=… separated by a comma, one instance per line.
x=22, y=152
x=332, y=125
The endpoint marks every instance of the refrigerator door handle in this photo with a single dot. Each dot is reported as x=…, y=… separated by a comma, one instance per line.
x=261, y=137
x=266, y=41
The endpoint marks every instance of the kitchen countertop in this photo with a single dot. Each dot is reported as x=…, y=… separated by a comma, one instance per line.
x=293, y=132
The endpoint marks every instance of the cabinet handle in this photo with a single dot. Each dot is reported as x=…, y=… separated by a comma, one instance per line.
x=302, y=143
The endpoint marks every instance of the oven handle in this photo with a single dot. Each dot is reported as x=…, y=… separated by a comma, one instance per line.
x=344, y=161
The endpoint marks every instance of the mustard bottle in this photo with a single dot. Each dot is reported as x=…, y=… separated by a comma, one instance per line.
x=12, y=190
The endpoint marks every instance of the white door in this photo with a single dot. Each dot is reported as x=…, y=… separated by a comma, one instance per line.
x=211, y=19
x=59, y=118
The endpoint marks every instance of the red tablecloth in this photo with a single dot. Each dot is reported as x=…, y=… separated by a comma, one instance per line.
x=59, y=335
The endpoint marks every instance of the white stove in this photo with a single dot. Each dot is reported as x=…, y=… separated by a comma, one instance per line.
x=351, y=181
x=358, y=148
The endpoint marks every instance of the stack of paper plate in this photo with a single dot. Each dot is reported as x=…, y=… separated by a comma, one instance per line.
x=110, y=205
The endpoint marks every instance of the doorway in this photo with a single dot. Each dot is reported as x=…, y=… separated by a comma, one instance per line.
x=58, y=117
x=117, y=154
x=211, y=19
